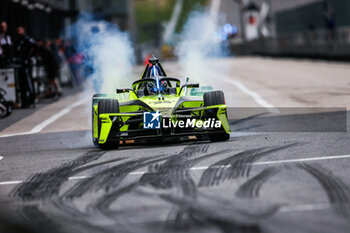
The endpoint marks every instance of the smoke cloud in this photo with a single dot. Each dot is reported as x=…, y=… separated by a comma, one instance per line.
x=108, y=54
x=199, y=44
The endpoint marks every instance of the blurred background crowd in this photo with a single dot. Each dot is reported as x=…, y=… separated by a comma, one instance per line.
x=37, y=67
x=39, y=56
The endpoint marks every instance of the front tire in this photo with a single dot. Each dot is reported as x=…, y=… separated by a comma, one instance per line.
x=210, y=99
x=108, y=106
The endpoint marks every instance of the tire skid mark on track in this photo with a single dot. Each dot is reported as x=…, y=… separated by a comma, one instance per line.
x=235, y=166
x=61, y=173
x=172, y=173
x=107, y=180
x=251, y=188
x=175, y=173
x=165, y=176
x=47, y=184
x=60, y=203
x=43, y=222
x=164, y=172
x=67, y=207
x=104, y=202
x=226, y=219
x=110, y=178
x=248, y=128
x=84, y=168
x=247, y=213
x=32, y=214
x=337, y=192
x=239, y=121
x=50, y=182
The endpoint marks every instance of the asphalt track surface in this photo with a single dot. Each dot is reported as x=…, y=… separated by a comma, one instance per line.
x=275, y=174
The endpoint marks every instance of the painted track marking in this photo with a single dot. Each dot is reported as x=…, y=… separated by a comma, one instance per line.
x=214, y=9
x=11, y=182
x=256, y=97
x=273, y=162
x=304, y=207
x=170, y=28
x=38, y=128
x=1, y=157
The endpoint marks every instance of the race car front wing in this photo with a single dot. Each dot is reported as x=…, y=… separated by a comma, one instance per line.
x=114, y=125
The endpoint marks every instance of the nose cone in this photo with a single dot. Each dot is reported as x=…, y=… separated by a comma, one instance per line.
x=165, y=106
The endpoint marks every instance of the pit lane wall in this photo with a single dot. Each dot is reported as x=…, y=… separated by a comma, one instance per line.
x=318, y=29
x=315, y=44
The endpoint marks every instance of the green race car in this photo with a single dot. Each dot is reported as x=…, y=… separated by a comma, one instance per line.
x=157, y=108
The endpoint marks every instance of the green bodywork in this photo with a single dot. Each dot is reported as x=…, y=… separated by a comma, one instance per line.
x=166, y=104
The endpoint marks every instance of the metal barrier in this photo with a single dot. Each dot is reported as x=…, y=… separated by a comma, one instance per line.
x=313, y=43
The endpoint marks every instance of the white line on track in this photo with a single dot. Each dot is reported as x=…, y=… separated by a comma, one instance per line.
x=170, y=28
x=305, y=207
x=273, y=162
x=257, y=98
x=78, y=177
x=302, y=160
x=11, y=182
x=1, y=157
x=214, y=9
x=38, y=128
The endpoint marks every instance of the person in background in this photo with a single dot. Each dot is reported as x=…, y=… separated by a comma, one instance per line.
x=72, y=55
x=5, y=42
x=330, y=24
x=24, y=48
x=52, y=67
x=65, y=72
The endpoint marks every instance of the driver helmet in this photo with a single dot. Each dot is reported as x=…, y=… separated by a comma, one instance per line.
x=152, y=87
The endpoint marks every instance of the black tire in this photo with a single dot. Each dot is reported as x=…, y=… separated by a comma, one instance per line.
x=94, y=140
x=210, y=99
x=214, y=98
x=108, y=106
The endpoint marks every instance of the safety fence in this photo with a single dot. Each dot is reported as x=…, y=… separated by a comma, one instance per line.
x=312, y=43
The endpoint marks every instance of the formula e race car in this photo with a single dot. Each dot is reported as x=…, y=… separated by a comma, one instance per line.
x=158, y=108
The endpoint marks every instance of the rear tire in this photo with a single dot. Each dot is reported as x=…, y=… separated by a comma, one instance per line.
x=108, y=106
x=210, y=99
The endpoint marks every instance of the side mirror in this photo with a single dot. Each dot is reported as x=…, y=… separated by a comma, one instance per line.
x=194, y=85
x=126, y=90
x=120, y=91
